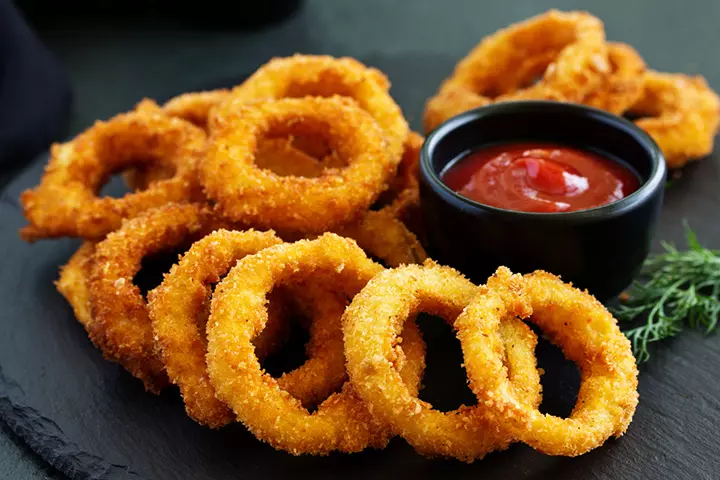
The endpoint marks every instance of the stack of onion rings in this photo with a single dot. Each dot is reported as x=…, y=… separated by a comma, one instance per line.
x=371, y=325
x=341, y=423
x=310, y=145
x=588, y=335
x=179, y=308
x=121, y=326
x=216, y=360
x=566, y=49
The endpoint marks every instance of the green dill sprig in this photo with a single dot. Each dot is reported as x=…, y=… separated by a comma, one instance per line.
x=675, y=288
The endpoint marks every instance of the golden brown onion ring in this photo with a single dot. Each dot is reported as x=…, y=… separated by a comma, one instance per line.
x=121, y=326
x=66, y=202
x=341, y=423
x=371, y=325
x=279, y=155
x=325, y=76
x=565, y=49
x=179, y=307
x=588, y=335
x=245, y=193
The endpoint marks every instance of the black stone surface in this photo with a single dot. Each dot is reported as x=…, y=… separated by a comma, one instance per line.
x=89, y=419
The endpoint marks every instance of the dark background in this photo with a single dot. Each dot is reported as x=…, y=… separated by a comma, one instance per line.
x=112, y=63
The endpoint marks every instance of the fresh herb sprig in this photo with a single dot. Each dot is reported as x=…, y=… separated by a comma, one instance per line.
x=675, y=288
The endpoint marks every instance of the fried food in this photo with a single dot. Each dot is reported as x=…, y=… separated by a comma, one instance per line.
x=588, y=335
x=566, y=50
x=681, y=113
x=66, y=202
x=325, y=76
x=342, y=422
x=574, y=64
x=371, y=325
x=121, y=326
x=310, y=145
x=178, y=309
x=622, y=87
x=74, y=285
x=246, y=193
x=180, y=305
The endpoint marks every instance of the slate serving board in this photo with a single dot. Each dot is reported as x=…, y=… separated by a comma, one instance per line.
x=90, y=419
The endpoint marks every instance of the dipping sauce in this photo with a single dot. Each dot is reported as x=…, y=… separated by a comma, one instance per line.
x=539, y=177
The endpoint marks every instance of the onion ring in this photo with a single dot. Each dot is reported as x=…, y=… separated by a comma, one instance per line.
x=567, y=49
x=195, y=107
x=178, y=310
x=682, y=115
x=623, y=86
x=121, y=326
x=66, y=202
x=371, y=324
x=192, y=107
x=74, y=284
x=321, y=75
x=245, y=193
x=342, y=422
x=588, y=335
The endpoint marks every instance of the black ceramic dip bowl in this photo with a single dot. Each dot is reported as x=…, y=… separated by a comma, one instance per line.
x=600, y=249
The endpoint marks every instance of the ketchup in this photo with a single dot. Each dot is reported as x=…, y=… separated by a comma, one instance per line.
x=539, y=177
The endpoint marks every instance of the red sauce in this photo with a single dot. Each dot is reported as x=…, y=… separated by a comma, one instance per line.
x=538, y=177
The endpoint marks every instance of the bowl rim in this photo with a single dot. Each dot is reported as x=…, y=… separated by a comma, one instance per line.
x=655, y=180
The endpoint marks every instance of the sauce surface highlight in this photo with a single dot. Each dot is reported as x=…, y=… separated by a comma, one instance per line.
x=539, y=177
